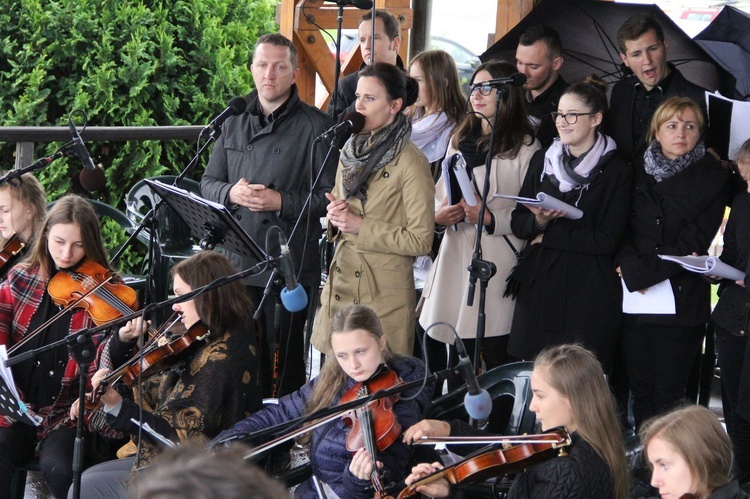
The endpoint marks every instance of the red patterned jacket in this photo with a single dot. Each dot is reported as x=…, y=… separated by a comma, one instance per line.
x=20, y=296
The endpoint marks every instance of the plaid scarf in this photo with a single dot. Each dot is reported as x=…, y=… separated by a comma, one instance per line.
x=365, y=153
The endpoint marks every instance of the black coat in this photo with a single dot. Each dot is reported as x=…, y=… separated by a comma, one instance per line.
x=619, y=121
x=346, y=92
x=732, y=313
x=582, y=474
x=542, y=108
x=569, y=291
x=677, y=216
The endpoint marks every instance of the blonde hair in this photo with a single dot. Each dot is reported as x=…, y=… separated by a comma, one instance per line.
x=673, y=106
x=332, y=378
x=29, y=192
x=577, y=375
x=743, y=155
x=696, y=434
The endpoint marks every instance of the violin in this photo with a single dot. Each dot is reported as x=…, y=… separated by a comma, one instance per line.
x=90, y=286
x=12, y=248
x=93, y=287
x=386, y=428
x=483, y=464
x=374, y=426
x=157, y=357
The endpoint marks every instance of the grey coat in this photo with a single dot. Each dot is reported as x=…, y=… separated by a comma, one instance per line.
x=276, y=155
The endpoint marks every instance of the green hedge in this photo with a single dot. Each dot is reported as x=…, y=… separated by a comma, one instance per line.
x=125, y=63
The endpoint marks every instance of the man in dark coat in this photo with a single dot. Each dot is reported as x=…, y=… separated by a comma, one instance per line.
x=384, y=48
x=260, y=168
x=539, y=57
x=643, y=49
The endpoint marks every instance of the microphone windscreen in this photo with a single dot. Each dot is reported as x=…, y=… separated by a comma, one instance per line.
x=478, y=406
x=92, y=180
x=518, y=79
x=357, y=119
x=294, y=300
x=238, y=104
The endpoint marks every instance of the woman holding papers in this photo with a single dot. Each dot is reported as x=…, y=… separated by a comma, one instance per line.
x=380, y=213
x=214, y=384
x=678, y=204
x=445, y=292
x=731, y=319
x=566, y=283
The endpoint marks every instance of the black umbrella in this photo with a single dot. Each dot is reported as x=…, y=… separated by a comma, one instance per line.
x=588, y=30
x=727, y=40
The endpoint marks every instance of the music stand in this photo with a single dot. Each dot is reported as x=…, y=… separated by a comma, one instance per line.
x=211, y=223
x=10, y=402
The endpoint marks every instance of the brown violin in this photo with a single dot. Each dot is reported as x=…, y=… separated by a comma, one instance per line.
x=483, y=465
x=374, y=426
x=158, y=356
x=90, y=286
x=386, y=428
x=12, y=248
x=95, y=288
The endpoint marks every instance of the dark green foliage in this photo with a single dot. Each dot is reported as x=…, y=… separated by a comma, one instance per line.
x=125, y=63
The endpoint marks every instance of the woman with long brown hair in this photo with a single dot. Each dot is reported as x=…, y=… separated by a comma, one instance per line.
x=569, y=391
x=447, y=287
x=48, y=381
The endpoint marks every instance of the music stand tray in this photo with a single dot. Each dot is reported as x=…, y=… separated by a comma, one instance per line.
x=211, y=223
x=10, y=402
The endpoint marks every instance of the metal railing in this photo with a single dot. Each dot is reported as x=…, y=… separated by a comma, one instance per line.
x=26, y=137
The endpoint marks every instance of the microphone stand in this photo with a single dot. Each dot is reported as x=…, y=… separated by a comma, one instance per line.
x=481, y=269
x=149, y=220
x=274, y=262
x=337, y=63
x=15, y=174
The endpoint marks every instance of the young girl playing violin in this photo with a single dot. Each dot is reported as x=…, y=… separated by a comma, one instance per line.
x=48, y=382
x=569, y=391
x=358, y=351
x=22, y=213
x=213, y=387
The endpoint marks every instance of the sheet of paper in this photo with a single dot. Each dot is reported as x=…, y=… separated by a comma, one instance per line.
x=658, y=299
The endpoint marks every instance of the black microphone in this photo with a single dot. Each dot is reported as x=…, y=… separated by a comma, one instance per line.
x=91, y=177
x=293, y=296
x=477, y=400
x=360, y=4
x=514, y=80
x=352, y=122
x=235, y=107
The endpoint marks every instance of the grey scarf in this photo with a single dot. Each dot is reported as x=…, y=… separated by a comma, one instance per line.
x=365, y=153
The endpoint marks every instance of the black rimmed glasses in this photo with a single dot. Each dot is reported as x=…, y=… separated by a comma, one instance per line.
x=483, y=88
x=570, y=118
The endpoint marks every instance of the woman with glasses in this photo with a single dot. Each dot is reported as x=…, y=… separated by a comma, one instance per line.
x=447, y=287
x=678, y=204
x=567, y=288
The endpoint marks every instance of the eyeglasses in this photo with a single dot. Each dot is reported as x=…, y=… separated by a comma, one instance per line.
x=482, y=88
x=570, y=118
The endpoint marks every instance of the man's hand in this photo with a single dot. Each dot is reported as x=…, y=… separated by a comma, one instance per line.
x=255, y=197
